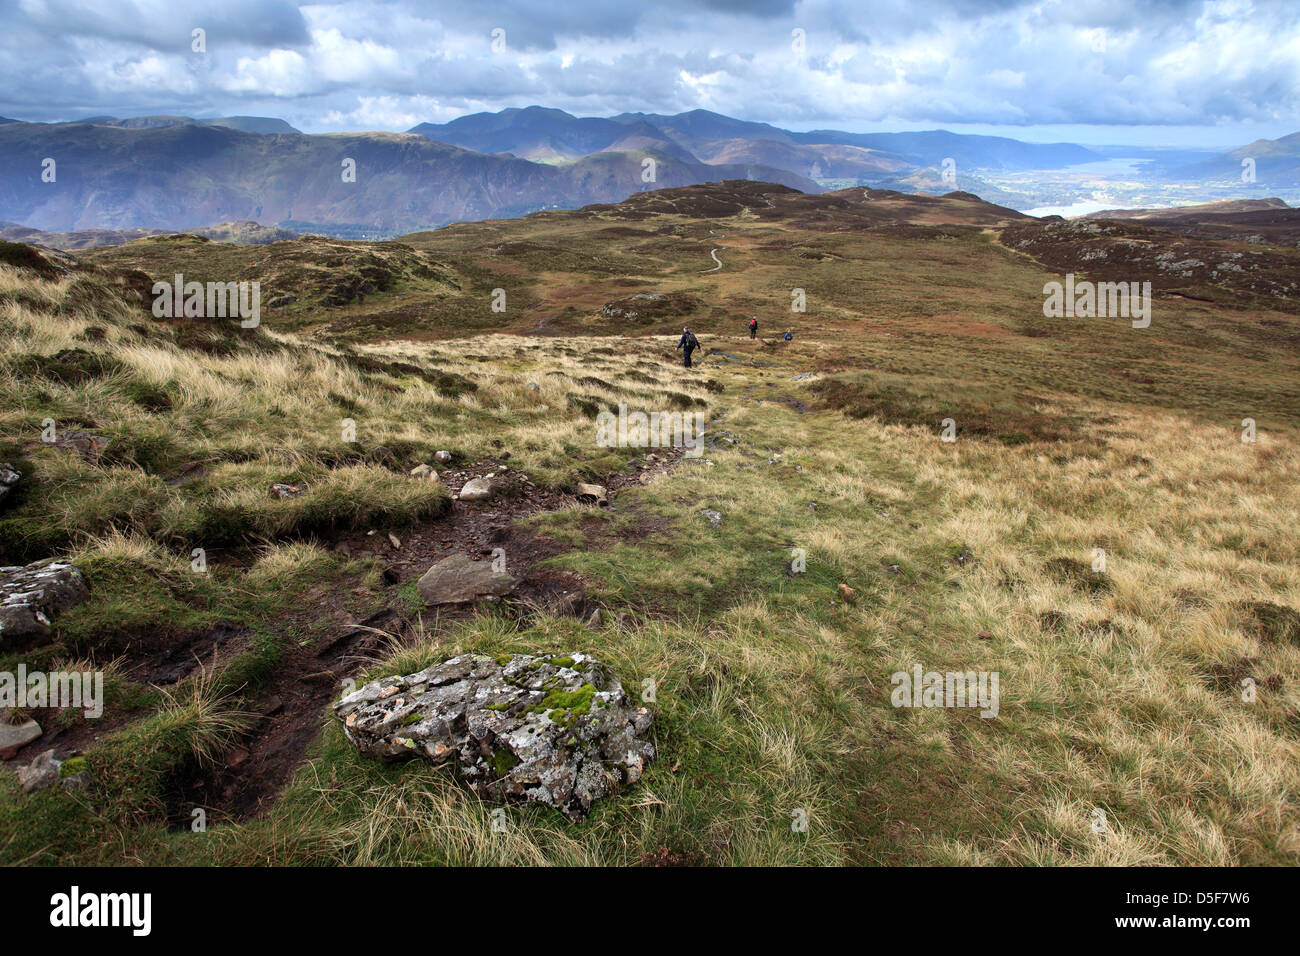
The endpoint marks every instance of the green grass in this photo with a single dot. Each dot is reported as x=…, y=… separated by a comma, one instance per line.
x=1121, y=690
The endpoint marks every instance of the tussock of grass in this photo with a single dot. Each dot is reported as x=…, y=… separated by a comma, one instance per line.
x=133, y=768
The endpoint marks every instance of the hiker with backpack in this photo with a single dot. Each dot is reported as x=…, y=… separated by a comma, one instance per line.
x=753, y=326
x=688, y=344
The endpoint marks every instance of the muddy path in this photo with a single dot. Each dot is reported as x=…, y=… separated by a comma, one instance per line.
x=292, y=706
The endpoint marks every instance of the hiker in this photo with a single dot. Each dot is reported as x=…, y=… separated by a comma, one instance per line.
x=789, y=336
x=753, y=326
x=688, y=344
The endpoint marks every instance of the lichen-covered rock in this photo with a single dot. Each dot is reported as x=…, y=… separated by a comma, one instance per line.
x=554, y=729
x=31, y=596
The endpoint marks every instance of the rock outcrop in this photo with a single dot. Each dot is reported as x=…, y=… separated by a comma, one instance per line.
x=558, y=730
x=458, y=579
x=31, y=596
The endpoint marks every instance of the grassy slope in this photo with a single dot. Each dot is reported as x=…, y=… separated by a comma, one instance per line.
x=772, y=691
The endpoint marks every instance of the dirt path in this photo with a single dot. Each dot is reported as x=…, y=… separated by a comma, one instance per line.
x=292, y=706
x=714, y=253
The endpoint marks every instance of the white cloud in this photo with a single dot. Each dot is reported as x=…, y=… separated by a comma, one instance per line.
x=362, y=63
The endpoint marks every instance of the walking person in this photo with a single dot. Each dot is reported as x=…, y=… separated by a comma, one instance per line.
x=753, y=326
x=688, y=344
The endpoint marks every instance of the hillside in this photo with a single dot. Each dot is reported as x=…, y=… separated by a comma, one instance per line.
x=247, y=231
x=249, y=124
x=1276, y=163
x=186, y=176
x=768, y=592
x=1252, y=221
x=1193, y=212
x=559, y=268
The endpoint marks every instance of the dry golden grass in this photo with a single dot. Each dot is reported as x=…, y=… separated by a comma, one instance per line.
x=1122, y=738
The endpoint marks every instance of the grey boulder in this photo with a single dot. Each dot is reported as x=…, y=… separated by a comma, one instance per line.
x=14, y=737
x=31, y=596
x=458, y=579
x=40, y=773
x=557, y=730
x=477, y=489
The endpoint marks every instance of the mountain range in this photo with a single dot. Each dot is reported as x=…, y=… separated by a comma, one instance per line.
x=171, y=173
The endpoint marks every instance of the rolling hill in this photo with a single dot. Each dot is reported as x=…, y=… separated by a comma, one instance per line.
x=1246, y=220
x=244, y=232
x=923, y=476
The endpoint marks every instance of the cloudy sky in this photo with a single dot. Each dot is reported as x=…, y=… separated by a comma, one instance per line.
x=1203, y=72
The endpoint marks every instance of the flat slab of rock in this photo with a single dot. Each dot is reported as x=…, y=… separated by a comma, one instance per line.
x=31, y=596
x=554, y=729
x=13, y=737
x=592, y=494
x=459, y=579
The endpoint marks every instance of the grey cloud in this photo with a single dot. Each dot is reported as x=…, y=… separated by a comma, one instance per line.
x=970, y=61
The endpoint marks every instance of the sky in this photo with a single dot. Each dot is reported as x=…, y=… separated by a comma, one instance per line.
x=1208, y=73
